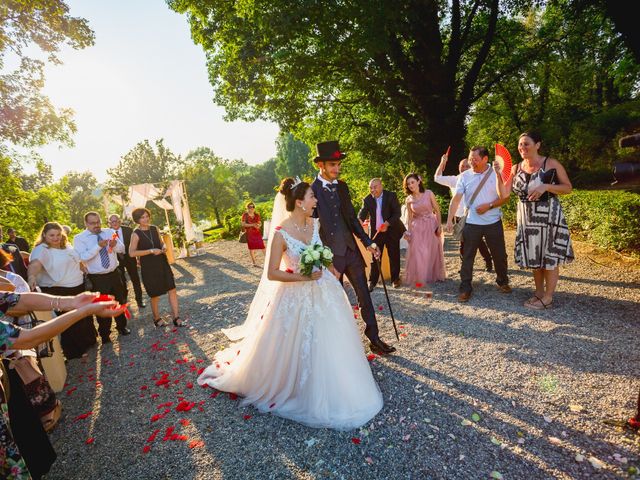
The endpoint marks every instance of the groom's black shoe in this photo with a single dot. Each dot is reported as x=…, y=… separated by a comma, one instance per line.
x=381, y=348
x=371, y=286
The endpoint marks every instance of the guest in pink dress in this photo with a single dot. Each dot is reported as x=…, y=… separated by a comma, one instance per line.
x=425, y=255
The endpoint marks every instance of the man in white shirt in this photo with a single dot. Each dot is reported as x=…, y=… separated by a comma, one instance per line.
x=127, y=263
x=98, y=249
x=484, y=220
x=451, y=181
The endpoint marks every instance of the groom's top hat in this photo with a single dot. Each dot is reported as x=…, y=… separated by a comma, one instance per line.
x=327, y=151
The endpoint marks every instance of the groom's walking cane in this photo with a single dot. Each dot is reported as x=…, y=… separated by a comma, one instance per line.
x=386, y=294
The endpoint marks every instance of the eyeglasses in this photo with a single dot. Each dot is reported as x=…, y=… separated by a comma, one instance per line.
x=251, y=207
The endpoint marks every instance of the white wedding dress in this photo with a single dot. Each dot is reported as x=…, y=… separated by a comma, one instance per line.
x=302, y=358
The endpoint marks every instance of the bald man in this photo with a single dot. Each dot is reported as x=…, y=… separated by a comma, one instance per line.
x=382, y=209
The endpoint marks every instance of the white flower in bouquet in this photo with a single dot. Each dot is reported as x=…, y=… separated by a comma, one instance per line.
x=313, y=258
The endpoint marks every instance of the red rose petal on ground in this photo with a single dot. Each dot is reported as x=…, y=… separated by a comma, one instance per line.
x=356, y=307
x=233, y=396
x=400, y=326
x=196, y=444
x=146, y=449
x=247, y=417
x=355, y=440
x=89, y=441
x=71, y=390
x=153, y=436
x=380, y=307
x=403, y=334
x=189, y=385
x=144, y=387
x=200, y=370
x=168, y=433
x=371, y=357
x=154, y=396
x=214, y=394
x=83, y=416
x=419, y=285
x=185, y=422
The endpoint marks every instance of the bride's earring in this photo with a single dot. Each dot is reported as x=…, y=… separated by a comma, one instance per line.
x=303, y=209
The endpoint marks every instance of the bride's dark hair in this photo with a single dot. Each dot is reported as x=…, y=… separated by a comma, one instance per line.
x=291, y=193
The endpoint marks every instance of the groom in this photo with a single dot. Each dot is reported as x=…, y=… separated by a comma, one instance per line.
x=338, y=225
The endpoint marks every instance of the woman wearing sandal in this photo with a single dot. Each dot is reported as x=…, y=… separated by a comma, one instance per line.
x=542, y=236
x=157, y=275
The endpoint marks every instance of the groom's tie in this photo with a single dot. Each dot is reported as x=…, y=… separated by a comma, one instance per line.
x=331, y=187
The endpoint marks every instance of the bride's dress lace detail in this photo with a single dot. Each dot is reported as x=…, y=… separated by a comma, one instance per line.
x=304, y=359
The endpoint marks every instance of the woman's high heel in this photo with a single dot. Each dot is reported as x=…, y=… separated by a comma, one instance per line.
x=159, y=322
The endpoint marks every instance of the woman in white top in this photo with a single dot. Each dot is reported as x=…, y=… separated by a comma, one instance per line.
x=55, y=267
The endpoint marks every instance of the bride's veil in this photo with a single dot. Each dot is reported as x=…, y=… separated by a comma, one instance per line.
x=266, y=288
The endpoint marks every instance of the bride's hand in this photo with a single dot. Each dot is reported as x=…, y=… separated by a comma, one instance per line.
x=315, y=275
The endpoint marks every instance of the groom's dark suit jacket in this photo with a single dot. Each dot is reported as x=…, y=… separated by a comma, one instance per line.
x=391, y=212
x=338, y=221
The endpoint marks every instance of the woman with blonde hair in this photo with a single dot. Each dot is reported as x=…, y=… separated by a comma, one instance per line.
x=55, y=267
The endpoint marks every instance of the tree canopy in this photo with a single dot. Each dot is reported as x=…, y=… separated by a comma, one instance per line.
x=27, y=116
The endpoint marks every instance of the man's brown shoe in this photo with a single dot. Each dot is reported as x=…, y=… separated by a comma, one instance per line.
x=504, y=288
x=464, y=297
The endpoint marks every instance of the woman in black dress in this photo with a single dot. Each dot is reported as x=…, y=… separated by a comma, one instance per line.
x=157, y=275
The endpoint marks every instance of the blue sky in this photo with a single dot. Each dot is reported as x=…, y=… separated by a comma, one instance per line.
x=143, y=79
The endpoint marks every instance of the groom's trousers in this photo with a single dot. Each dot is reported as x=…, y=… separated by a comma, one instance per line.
x=352, y=265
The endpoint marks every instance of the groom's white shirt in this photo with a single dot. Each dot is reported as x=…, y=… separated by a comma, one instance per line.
x=325, y=182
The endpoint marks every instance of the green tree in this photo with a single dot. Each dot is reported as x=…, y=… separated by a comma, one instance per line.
x=27, y=117
x=394, y=80
x=80, y=186
x=212, y=183
x=41, y=178
x=260, y=179
x=292, y=157
x=143, y=164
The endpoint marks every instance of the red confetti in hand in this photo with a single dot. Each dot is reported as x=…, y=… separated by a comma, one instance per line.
x=89, y=440
x=83, y=416
x=355, y=440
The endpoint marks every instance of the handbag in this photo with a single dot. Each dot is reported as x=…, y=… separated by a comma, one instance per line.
x=459, y=226
x=243, y=237
x=45, y=349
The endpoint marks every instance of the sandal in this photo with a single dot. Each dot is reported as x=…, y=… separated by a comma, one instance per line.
x=180, y=324
x=535, y=306
x=50, y=423
x=159, y=322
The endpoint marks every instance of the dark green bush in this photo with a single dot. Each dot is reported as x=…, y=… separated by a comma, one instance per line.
x=607, y=218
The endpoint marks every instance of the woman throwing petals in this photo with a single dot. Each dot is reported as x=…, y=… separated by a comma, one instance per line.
x=542, y=242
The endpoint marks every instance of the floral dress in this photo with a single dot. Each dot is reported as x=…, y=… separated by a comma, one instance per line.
x=12, y=465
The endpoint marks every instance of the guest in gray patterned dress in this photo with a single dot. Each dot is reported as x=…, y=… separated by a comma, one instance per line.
x=543, y=242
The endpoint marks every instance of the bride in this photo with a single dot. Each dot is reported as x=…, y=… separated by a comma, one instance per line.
x=300, y=355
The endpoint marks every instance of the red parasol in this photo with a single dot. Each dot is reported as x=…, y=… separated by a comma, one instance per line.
x=503, y=157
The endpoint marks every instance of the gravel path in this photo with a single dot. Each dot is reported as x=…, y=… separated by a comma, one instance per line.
x=476, y=390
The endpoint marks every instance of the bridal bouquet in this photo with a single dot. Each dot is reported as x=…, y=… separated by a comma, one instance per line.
x=314, y=256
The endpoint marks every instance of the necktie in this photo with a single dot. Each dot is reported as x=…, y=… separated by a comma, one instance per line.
x=379, y=220
x=104, y=255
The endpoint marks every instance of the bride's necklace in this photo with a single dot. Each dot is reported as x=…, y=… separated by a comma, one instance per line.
x=301, y=229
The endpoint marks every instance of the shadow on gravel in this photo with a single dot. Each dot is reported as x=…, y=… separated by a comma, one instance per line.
x=455, y=400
